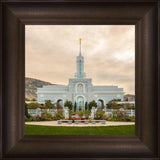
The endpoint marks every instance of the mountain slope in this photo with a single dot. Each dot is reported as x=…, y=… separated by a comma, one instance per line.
x=31, y=86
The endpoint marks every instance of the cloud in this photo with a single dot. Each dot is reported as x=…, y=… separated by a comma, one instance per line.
x=108, y=50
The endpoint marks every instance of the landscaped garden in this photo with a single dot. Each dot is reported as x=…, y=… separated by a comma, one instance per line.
x=35, y=112
x=48, y=112
x=81, y=115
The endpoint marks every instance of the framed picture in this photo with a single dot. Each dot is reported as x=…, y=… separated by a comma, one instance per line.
x=144, y=144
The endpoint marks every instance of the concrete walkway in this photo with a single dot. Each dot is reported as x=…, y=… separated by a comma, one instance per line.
x=54, y=123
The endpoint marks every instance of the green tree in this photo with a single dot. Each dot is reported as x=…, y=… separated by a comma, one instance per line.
x=86, y=106
x=68, y=104
x=92, y=104
x=48, y=105
x=75, y=106
x=34, y=105
x=26, y=111
x=112, y=105
x=116, y=100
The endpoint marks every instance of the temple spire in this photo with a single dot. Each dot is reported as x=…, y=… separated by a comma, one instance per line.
x=80, y=46
x=80, y=64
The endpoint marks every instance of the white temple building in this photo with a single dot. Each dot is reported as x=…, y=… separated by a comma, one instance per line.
x=79, y=90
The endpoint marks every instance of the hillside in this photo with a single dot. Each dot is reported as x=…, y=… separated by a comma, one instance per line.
x=31, y=86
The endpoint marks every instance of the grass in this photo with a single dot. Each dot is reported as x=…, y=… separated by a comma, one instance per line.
x=58, y=130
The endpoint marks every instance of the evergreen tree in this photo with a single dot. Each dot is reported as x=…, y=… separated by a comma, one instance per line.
x=48, y=104
x=92, y=104
x=26, y=111
x=86, y=106
x=68, y=104
x=75, y=106
x=112, y=105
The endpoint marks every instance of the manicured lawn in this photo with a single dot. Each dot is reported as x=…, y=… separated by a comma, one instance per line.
x=56, y=130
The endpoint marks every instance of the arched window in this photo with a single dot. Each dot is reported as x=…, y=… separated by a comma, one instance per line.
x=80, y=88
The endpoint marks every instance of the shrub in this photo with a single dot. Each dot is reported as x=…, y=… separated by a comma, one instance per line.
x=114, y=113
x=53, y=118
x=34, y=118
x=113, y=105
x=33, y=99
x=27, y=99
x=99, y=115
x=105, y=117
x=80, y=113
x=59, y=115
x=28, y=119
x=73, y=113
x=48, y=115
x=87, y=113
x=70, y=114
x=48, y=119
x=38, y=118
x=34, y=106
x=121, y=114
x=48, y=105
x=99, y=109
x=124, y=119
x=131, y=107
x=43, y=117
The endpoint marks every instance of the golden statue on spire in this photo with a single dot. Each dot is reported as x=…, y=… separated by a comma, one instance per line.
x=80, y=47
x=80, y=40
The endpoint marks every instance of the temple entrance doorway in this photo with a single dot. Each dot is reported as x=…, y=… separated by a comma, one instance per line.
x=80, y=103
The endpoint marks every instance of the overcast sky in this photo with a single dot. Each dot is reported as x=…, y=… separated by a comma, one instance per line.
x=108, y=50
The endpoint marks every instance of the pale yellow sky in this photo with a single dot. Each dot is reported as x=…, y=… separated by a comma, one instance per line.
x=108, y=50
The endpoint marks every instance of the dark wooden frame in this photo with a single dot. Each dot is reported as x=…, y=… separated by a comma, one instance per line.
x=15, y=14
